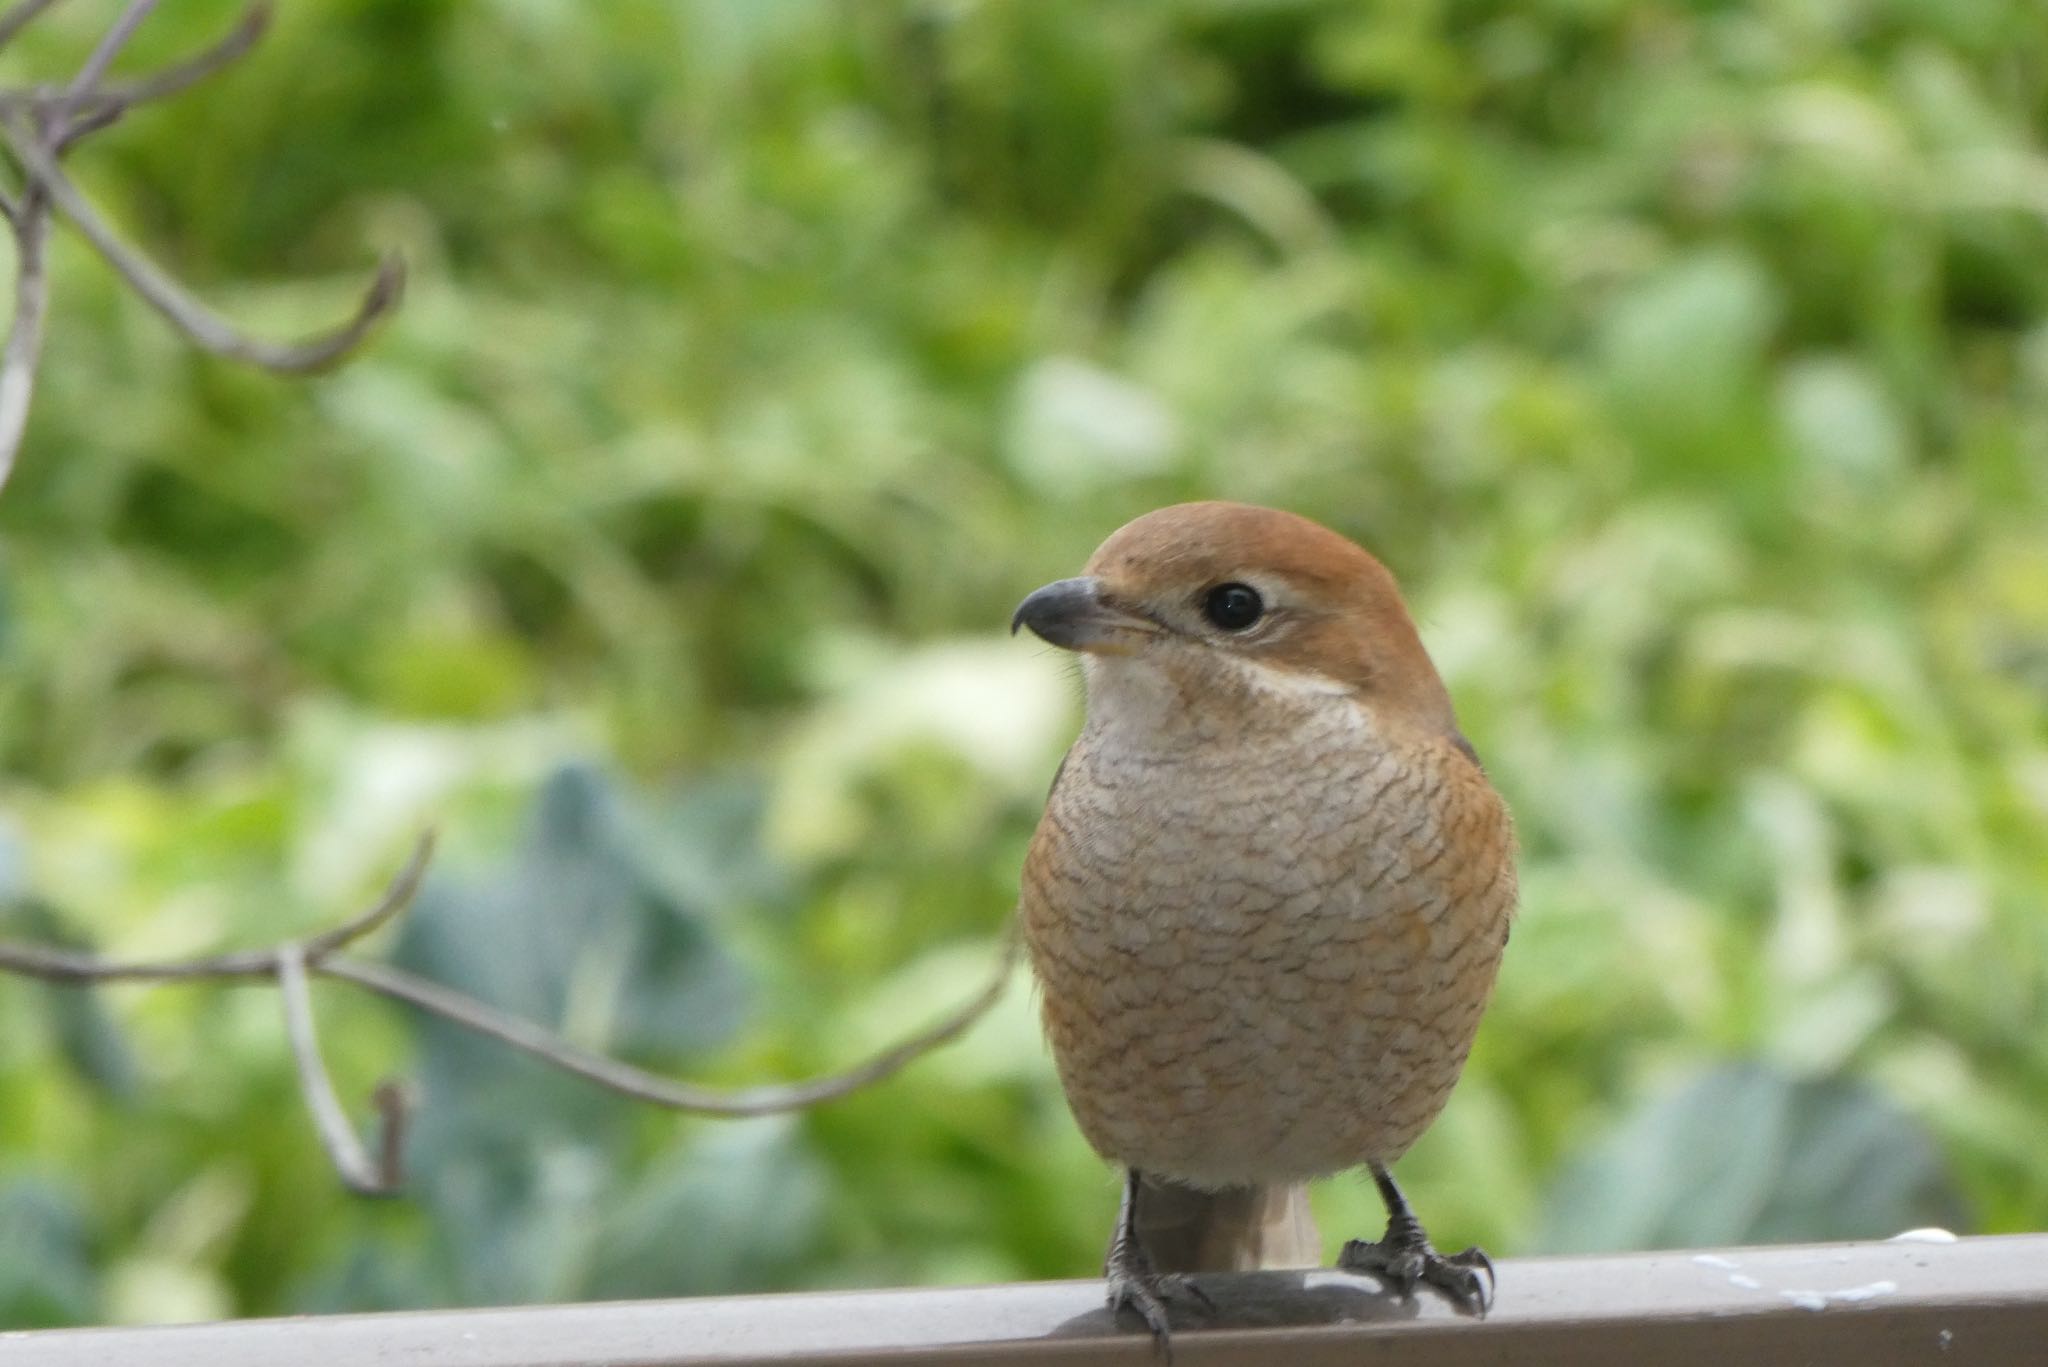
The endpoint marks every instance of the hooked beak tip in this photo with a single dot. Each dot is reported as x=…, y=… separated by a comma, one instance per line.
x=1071, y=614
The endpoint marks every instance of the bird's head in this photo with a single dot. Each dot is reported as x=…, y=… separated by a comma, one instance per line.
x=1215, y=606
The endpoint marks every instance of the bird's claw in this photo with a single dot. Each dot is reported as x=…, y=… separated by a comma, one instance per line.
x=1133, y=1284
x=1404, y=1260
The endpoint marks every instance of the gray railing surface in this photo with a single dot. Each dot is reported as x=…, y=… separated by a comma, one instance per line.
x=1909, y=1301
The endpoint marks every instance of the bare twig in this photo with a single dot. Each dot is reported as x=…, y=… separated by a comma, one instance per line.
x=397, y=897
x=115, y=98
x=393, y=1101
x=19, y=18
x=184, y=75
x=97, y=115
x=64, y=966
x=291, y=962
x=198, y=322
x=30, y=219
x=351, y=1160
x=87, y=81
x=641, y=1085
x=39, y=125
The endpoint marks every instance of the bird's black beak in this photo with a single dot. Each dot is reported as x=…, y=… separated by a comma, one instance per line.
x=1073, y=615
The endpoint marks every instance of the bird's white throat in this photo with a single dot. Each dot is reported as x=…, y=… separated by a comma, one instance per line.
x=1135, y=697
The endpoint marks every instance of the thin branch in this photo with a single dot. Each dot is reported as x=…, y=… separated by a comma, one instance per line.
x=109, y=47
x=318, y=954
x=65, y=966
x=39, y=124
x=351, y=1160
x=205, y=327
x=393, y=1102
x=397, y=897
x=641, y=1085
x=20, y=17
x=71, y=968
x=29, y=218
x=184, y=75
x=91, y=111
x=96, y=115
x=104, y=105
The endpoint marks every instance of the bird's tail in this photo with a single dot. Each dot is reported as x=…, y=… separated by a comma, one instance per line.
x=1238, y=1229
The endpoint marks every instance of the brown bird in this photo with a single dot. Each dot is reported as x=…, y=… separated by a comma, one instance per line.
x=1267, y=899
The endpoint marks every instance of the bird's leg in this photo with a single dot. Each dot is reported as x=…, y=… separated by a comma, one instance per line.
x=1132, y=1280
x=1403, y=1256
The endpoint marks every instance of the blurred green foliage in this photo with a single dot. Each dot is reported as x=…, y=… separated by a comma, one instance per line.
x=1687, y=359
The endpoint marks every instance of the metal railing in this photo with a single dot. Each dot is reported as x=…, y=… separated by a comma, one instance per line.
x=1968, y=1303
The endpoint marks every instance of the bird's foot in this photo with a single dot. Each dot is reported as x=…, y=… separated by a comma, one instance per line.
x=1403, y=1259
x=1134, y=1284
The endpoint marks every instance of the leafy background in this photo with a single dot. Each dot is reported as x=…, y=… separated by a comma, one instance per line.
x=1688, y=361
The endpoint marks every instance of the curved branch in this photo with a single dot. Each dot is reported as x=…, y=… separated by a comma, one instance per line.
x=461, y=1009
x=290, y=962
x=351, y=1160
x=103, y=54
x=398, y=895
x=29, y=217
x=65, y=966
x=20, y=17
x=201, y=324
x=38, y=124
x=96, y=107
x=115, y=99
x=180, y=76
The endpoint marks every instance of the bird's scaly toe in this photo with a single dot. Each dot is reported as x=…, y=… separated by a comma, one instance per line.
x=1147, y=1296
x=1404, y=1261
x=1134, y=1285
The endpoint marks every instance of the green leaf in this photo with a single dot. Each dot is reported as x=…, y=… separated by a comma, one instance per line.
x=46, y=1272
x=87, y=1035
x=725, y=1212
x=1743, y=1153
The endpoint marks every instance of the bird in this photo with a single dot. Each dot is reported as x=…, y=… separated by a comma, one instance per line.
x=1267, y=900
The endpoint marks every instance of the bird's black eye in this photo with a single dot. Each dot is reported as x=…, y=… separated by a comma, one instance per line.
x=1233, y=606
